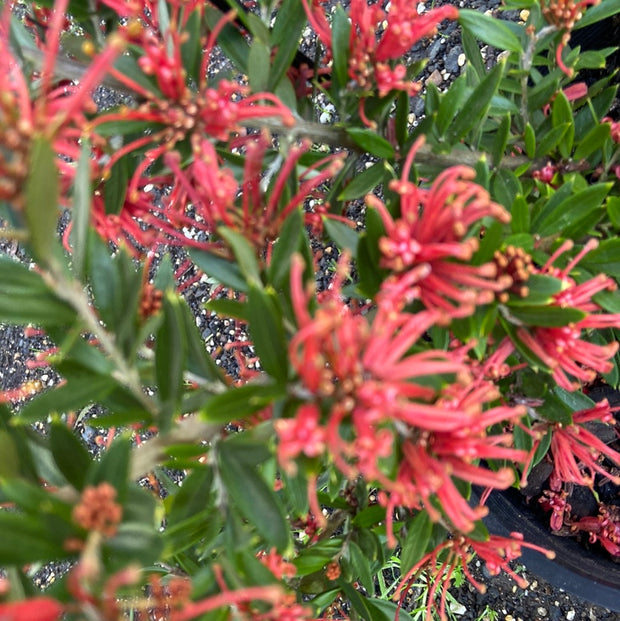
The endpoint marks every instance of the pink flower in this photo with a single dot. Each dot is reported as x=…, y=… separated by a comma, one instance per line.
x=430, y=240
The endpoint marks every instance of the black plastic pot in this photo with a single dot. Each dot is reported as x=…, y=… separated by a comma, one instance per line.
x=575, y=569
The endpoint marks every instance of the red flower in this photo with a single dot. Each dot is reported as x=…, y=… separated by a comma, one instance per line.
x=368, y=55
x=577, y=452
x=562, y=349
x=36, y=609
x=429, y=240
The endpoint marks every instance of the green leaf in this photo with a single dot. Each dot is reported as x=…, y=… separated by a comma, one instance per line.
x=541, y=289
x=597, y=13
x=593, y=140
x=115, y=187
x=191, y=50
x=128, y=66
x=360, y=566
x=364, y=183
x=170, y=359
x=520, y=215
x=557, y=215
x=475, y=107
x=500, y=141
x=419, y=531
x=42, y=190
x=27, y=299
x=231, y=41
x=80, y=211
x=238, y=403
x=529, y=139
x=371, y=142
x=546, y=316
x=224, y=271
x=70, y=455
x=285, y=36
x=385, y=610
x=548, y=141
x=345, y=236
x=259, y=62
x=604, y=259
x=244, y=253
x=562, y=114
x=489, y=30
x=74, y=394
x=113, y=466
x=267, y=332
x=9, y=456
x=255, y=500
x=134, y=542
x=288, y=242
x=225, y=307
x=341, y=31
x=555, y=410
x=123, y=127
x=472, y=53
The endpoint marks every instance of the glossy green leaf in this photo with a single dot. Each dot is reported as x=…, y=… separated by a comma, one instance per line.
x=476, y=105
x=259, y=62
x=360, y=566
x=70, y=455
x=557, y=215
x=267, y=332
x=541, y=289
x=472, y=53
x=548, y=141
x=225, y=307
x=244, y=253
x=9, y=456
x=191, y=50
x=224, y=271
x=72, y=395
x=562, y=114
x=27, y=299
x=594, y=139
x=546, y=316
x=237, y=403
x=341, y=29
x=42, y=191
x=500, y=141
x=115, y=187
x=255, y=499
x=371, y=142
x=285, y=36
x=414, y=546
x=288, y=242
x=555, y=410
x=489, y=30
x=170, y=359
x=594, y=14
x=385, y=610
x=364, y=183
x=529, y=139
x=345, y=236
x=605, y=258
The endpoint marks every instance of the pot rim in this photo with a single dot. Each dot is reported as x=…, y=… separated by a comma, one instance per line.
x=574, y=569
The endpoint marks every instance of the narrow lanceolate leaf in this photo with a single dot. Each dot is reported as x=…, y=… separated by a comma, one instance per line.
x=267, y=332
x=255, y=500
x=476, y=105
x=489, y=30
x=80, y=211
x=546, y=316
x=341, y=29
x=70, y=455
x=364, y=183
x=418, y=535
x=289, y=24
x=170, y=359
x=371, y=142
x=237, y=403
x=244, y=253
x=42, y=188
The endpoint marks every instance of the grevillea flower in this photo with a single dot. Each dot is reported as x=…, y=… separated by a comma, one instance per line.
x=439, y=565
x=98, y=510
x=563, y=350
x=577, y=452
x=218, y=200
x=369, y=54
x=368, y=373
x=604, y=528
x=430, y=240
x=563, y=14
x=35, y=609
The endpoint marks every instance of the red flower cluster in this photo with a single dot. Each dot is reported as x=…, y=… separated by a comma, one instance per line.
x=563, y=350
x=374, y=374
x=428, y=248
x=369, y=55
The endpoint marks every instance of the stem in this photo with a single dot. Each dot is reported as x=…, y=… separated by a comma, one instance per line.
x=72, y=292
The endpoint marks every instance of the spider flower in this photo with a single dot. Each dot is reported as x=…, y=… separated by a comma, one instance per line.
x=577, y=452
x=430, y=238
x=563, y=350
x=402, y=27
